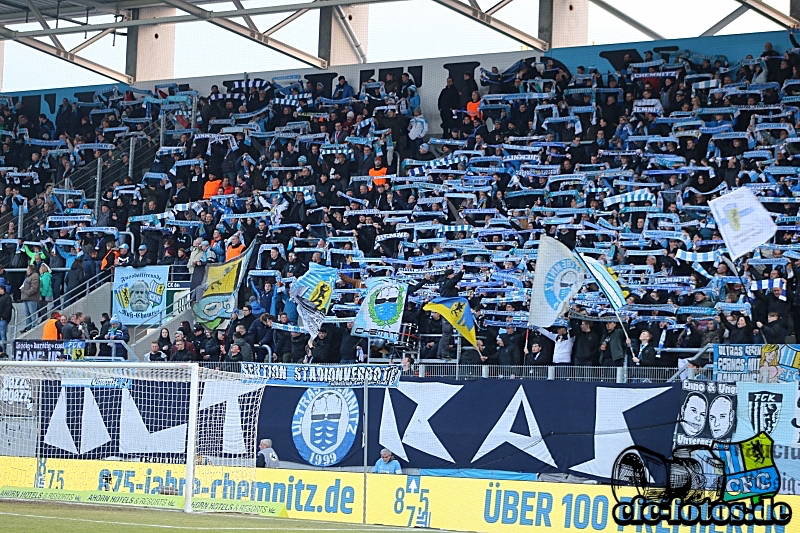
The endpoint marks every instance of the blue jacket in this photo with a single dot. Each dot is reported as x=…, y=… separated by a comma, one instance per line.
x=343, y=91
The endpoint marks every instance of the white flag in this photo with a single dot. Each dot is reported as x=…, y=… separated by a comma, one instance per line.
x=557, y=280
x=743, y=222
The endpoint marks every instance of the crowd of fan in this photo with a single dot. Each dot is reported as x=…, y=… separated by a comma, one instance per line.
x=620, y=166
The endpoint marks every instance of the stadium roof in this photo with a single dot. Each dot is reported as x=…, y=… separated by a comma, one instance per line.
x=63, y=17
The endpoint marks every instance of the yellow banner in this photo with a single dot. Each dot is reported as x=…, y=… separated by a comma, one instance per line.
x=460, y=504
x=307, y=494
x=491, y=506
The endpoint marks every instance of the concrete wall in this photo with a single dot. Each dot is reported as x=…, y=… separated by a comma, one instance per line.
x=142, y=347
x=151, y=49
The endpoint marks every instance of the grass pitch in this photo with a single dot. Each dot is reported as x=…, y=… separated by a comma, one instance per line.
x=45, y=517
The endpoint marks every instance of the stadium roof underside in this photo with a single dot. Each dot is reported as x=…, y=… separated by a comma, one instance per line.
x=63, y=17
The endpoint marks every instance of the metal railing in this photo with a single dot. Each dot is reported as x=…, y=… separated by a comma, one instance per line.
x=19, y=326
x=120, y=351
x=607, y=374
x=178, y=306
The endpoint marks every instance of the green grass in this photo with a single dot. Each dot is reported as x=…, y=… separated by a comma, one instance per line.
x=45, y=517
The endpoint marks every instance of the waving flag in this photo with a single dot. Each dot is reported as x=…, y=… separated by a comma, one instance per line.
x=312, y=293
x=559, y=277
x=219, y=289
x=743, y=222
x=458, y=313
x=604, y=280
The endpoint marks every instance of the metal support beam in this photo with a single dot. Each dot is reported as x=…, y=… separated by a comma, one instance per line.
x=256, y=36
x=350, y=33
x=285, y=22
x=497, y=7
x=632, y=22
x=497, y=25
x=178, y=19
x=43, y=23
x=725, y=21
x=90, y=41
x=771, y=13
x=73, y=58
x=474, y=4
x=247, y=18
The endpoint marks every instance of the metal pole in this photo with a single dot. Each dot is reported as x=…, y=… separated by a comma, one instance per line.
x=98, y=186
x=366, y=437
x=458, y=355
x=191, y=440
x=163, y=127
x=21, y=219
x=131, y=155
x=194, y=112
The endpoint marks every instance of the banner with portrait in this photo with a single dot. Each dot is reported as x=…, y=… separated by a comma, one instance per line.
x=759, y=363
x=140, y=294
x=708, y=413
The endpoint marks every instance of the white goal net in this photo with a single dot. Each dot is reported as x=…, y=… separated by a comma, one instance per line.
x=128, y=434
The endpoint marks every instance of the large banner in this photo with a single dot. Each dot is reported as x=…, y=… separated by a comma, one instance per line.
x=520, y=426
x=708, y=413
x=402, y=501
x=140, y=294
x=762, y=363
x=32, y=350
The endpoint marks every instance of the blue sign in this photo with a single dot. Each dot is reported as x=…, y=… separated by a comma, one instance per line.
x=298, y=375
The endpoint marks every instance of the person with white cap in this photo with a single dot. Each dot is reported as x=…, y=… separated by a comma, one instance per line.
x=124, y=258
x=142, y=259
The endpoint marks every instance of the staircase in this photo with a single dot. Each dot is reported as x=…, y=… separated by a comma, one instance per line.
x=92, y=297
x=145, y=333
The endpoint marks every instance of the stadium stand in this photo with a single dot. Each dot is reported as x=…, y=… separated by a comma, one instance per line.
x=618, y=166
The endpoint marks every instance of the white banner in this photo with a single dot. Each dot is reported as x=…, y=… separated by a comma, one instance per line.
x=140, y=294
x=743, y=222
x=558, y=279
x=381, y=311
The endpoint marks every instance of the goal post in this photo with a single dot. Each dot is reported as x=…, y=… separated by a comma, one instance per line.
x=172, y=435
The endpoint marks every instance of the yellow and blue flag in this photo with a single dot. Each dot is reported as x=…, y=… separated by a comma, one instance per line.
x=458, y=313
x=218, y=292
x=312, y=293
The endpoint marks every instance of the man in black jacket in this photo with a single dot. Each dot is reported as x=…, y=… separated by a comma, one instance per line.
x=449, y=101
x=70, y=330
x=586, y=350
x=5, y=315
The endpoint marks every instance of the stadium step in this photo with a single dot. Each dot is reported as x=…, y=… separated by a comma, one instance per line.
x=177, y=312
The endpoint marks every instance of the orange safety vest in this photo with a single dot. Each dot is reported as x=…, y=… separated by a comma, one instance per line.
x=211, y=188
x=472, y=109
x=50, y=331
x=375, y=172
x=233, y=252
